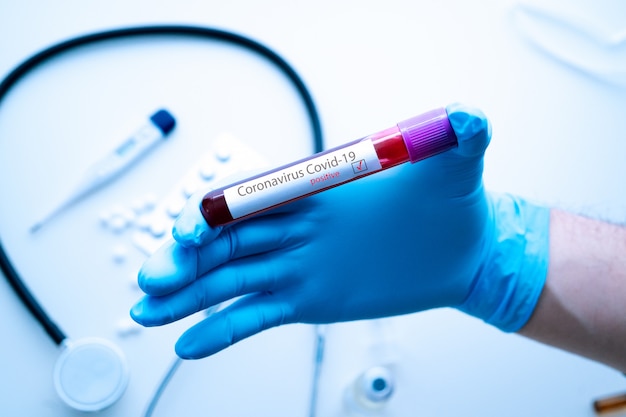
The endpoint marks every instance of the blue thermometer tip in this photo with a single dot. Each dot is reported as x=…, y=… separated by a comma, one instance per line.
x=164, y=121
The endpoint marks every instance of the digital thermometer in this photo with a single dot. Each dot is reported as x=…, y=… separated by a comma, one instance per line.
x=115, y=163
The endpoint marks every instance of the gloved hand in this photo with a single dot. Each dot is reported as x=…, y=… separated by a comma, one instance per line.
x=415, y=237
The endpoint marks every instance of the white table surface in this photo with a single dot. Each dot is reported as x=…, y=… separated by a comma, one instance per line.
x=558, y=138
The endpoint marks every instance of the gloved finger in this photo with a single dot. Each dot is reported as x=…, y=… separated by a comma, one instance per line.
x=174, y=266
x=245, y=276
x=264, y=233
x=244, y=318
x=458, y=172
x=472, y=129
x=190, y=229
x=171, y=267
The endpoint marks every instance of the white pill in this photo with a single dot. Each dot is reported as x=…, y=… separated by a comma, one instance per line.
x=129, y=215
x=149, y=201
x=138, y=206
x=104, y=217
x=223, y=149
x=207, y=171
x=190, y=187
x=175, y=206
x=119, y=253
x=143, y=222
x=117, y=223
x=127, y=327
x=157, y=228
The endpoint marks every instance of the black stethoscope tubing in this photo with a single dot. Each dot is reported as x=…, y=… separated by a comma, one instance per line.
x=14, y=279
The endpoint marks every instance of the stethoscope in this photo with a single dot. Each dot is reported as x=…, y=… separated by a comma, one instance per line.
x=92, y=373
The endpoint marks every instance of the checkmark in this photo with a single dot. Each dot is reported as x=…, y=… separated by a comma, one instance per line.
x=359, y=166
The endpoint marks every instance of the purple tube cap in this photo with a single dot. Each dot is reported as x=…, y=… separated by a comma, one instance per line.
x=427, y=134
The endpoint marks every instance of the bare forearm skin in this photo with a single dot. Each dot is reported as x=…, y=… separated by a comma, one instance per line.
x=582, y=308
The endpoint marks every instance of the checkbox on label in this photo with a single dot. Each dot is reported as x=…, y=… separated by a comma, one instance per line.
x=359, y=166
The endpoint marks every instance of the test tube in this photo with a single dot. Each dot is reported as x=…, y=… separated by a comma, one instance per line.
x=411, y=140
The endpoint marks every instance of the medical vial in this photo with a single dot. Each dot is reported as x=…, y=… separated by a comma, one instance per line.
x=610, y=404
x=411, y=140
x=370, y=392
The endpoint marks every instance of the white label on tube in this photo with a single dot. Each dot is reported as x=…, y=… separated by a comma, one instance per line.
x=303, y=178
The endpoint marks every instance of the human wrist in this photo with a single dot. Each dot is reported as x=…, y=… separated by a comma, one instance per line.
x=581, y=308
x=513, y=271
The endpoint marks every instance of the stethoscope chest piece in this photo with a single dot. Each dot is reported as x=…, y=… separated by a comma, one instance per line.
x=91, y=374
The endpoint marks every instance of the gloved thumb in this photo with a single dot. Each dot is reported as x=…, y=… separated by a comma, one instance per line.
x=472, y=129
x=458, y=172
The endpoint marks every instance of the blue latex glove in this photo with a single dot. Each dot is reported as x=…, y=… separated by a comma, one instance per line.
x=415, y=237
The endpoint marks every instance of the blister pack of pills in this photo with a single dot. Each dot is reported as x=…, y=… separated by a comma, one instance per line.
x=150, y=218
